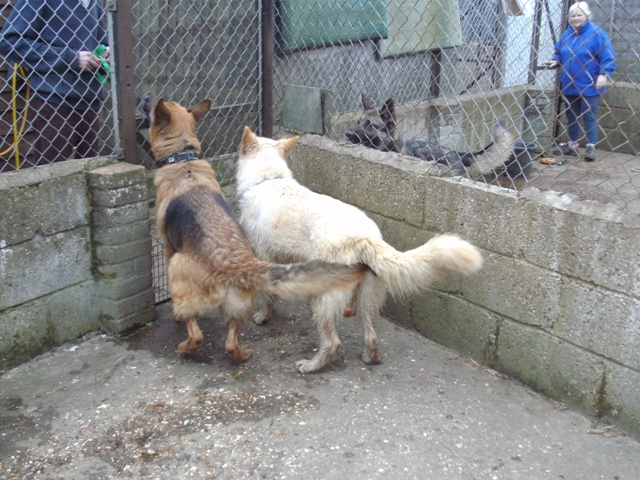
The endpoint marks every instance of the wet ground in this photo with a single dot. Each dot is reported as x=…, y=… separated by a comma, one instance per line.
x=105, y=408
x=614, y=178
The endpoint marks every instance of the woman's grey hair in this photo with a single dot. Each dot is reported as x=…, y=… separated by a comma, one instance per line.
x=584, y=6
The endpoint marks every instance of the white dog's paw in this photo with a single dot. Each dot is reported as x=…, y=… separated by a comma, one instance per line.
x=260, y=318
x=306, y=366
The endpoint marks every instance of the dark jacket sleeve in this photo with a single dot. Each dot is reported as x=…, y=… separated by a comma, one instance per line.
x=20, y=41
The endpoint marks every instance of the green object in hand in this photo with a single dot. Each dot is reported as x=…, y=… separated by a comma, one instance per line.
x=103, y=70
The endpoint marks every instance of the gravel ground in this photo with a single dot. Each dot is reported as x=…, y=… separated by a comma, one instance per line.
x=105, y=408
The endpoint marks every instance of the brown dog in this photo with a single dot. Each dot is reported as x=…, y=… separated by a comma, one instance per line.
x=210, y=262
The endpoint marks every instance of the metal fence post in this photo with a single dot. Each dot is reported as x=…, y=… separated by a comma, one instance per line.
x=267, y=67
x=125, y=90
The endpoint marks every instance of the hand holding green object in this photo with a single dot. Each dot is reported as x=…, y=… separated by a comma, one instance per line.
x=103, y=70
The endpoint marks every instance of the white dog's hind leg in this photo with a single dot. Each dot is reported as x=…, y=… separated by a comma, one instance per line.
x=325, y=310
x=370, y=296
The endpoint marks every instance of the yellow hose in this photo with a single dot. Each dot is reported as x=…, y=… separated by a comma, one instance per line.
x=17, y=131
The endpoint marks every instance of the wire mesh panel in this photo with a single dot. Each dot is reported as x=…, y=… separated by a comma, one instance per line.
x=57, y=95
x=465, y=76
x=188, y=51
x=462, y=83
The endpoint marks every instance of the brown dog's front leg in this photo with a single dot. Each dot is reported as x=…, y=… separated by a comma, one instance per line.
x=195, y=336
x=237, y=353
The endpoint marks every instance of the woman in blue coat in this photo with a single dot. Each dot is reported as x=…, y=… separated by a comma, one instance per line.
x=586, y=57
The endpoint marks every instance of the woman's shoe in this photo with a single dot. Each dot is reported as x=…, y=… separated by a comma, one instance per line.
x=569, y=149
x=590, y=153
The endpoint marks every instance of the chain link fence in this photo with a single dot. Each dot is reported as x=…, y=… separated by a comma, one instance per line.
x=186, y=51
x=42, y=66
x=455, y=70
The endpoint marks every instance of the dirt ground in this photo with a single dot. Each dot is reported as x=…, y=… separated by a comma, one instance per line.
x=106, y=408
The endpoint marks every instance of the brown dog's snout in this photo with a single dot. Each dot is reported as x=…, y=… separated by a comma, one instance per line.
x=147, y=105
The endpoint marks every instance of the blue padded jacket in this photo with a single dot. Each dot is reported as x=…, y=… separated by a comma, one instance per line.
x=45, y=37
x=584, y=55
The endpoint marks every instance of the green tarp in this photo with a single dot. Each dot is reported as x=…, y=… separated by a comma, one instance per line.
x=421, y=25
x=402, y=26
x=319, y=23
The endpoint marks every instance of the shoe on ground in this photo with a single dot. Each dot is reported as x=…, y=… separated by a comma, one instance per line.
x=590, y=153
x=569, y=149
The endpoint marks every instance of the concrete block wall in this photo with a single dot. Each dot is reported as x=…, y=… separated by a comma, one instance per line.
x=75, y=254
x=468, y=120
x=122, y=245
x=619, y=121
x=557, y=304
x=471, y=117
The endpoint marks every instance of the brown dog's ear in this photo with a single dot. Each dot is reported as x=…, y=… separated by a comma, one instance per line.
x=200, y=109
x=285, y=146
x=366, y=103
x=249, y=140
x=161, y=114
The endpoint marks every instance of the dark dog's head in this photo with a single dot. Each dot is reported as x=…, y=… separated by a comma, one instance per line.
x=172, y=128
x=376, y=128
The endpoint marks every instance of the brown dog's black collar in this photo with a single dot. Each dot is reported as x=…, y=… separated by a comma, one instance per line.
x=180, y=157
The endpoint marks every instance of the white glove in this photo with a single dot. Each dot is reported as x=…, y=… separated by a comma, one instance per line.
x=601, y=81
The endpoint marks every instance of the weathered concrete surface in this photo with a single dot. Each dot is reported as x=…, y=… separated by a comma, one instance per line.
x=556, y=303
x=75, y=254
x=104, y=408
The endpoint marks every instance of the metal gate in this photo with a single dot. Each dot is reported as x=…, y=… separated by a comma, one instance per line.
x=189, y=51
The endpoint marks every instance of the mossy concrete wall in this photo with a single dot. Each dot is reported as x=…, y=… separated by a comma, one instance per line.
x=557, y=304
x=75, y=254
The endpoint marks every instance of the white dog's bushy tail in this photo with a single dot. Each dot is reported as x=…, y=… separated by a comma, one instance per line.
x=415, y=270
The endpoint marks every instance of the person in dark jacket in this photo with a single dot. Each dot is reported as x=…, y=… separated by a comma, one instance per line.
x=55, y=40
x=586, y=57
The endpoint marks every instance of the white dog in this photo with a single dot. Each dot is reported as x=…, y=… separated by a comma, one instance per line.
x=286, y=222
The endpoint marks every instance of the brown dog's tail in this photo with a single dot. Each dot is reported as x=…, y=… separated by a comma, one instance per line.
x=310, y=278
x=415, y=270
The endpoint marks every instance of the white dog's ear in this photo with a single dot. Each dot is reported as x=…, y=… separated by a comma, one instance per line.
x=285, y=146
x=249, y=141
